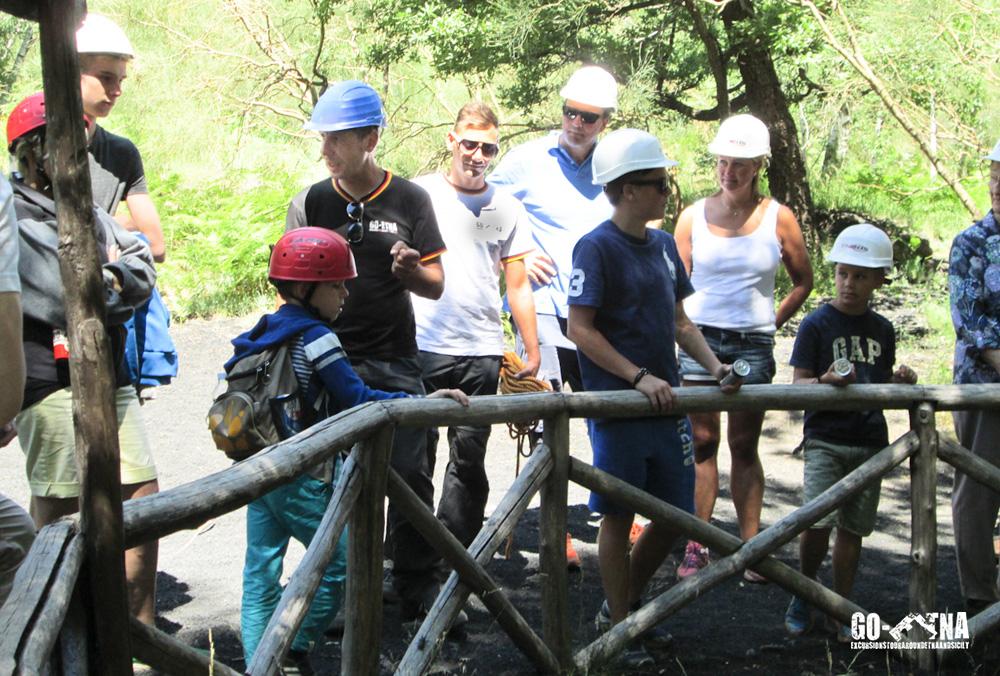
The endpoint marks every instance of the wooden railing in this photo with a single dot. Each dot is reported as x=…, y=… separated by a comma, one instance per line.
x=43, y=627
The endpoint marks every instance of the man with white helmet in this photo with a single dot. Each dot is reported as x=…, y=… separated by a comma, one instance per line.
x=116, y=166
x=843, y=342
x=393, y=232
x=625, y=296
x=116, y=176
x=975, y=312
x=552, y=177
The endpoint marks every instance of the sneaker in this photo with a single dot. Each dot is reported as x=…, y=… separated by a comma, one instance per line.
x=572, y=558
x=635, y=532
x=695, y=558
x=656, y=639
x=798, y=617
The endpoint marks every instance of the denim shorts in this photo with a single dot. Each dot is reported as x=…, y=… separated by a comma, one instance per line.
x=728, y=346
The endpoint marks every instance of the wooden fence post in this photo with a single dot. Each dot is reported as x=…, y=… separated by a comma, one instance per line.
x=552, y=533
x=363, y=601
x=91, y=371
x=923, y=545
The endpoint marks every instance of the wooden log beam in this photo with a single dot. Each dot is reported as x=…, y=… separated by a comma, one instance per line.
x=363, y=600
x=36, y=575
x=743, y=554
x=966, y=461
x=426, y=642
x=73, y=652
x=299, y=592
x=45, y=630
x=552, y=554
x=624, y=404
x=166, y=654
x=91, y=370
x=191, y=504
x=472, y=574
x=923, y=529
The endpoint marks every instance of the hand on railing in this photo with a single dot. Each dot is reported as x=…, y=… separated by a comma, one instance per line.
x=905, y=375
x=659, y=392
x=458, y=395
x=729, y=382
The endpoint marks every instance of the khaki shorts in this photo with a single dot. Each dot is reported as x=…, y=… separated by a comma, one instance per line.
x=826, y=463
x=45, y=431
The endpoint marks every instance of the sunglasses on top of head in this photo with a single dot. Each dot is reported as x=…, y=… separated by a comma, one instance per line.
x=586, y=117
x=469, y=146
x=356, y=228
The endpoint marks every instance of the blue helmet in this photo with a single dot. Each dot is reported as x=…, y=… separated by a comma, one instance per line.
x=348, y=104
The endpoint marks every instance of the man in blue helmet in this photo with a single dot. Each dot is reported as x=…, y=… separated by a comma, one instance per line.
x=394, y=236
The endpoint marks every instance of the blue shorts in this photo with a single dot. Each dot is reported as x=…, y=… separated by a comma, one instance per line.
x=654, y=454
x=728, y=346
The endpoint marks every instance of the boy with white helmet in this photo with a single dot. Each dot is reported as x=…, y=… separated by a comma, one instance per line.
x=837, y=442
x=625, y=313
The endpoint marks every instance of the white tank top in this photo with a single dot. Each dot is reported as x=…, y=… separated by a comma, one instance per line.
x=733, y=277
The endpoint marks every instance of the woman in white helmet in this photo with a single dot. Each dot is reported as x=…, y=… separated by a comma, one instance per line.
x=732, y=243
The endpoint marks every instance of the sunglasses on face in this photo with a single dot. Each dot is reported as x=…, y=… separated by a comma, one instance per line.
x=587, y=118
x=356, y=228
x=661, y=184
x=488, y=149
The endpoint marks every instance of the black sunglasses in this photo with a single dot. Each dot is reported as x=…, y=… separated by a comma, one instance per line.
x=356, y=228
x=588, y=118
x=661, y=184
x=489, y=149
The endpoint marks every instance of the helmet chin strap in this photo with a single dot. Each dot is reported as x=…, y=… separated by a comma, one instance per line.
x=310, y=308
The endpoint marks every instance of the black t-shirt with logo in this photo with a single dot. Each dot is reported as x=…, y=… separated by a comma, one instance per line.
x=115, y=170
x=868, y=341
x=377, y=319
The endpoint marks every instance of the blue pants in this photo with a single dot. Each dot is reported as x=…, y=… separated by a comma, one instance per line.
x=293, y=510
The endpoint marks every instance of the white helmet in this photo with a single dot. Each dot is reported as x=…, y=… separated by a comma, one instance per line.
x=593, y=86
x=863, y=245
x=100, y=35
x=625, y=150
x=741, y=136
x=995, y=155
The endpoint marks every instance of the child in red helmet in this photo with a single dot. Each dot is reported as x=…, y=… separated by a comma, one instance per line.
x=311, y=269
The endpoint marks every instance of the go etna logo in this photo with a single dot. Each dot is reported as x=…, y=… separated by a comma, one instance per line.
x=940, y=631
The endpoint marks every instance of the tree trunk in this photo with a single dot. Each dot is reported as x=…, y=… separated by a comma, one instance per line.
x=787, y=169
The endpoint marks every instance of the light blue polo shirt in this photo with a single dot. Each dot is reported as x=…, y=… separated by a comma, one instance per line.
x=563, y=205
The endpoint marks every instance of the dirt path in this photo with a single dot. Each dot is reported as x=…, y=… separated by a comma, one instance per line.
x=736, y=628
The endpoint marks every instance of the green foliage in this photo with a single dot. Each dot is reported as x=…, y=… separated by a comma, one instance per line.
x=219, y=243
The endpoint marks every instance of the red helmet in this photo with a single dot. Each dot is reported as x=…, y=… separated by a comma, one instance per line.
x=312, y=255
x=27, y=116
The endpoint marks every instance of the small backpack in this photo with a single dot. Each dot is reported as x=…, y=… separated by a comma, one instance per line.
x=261, y=405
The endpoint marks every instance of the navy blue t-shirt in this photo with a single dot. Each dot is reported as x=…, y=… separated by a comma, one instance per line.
x=635, y=285
x=869, y=342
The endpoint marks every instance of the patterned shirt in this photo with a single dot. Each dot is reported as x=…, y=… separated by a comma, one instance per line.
x=974, y=287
